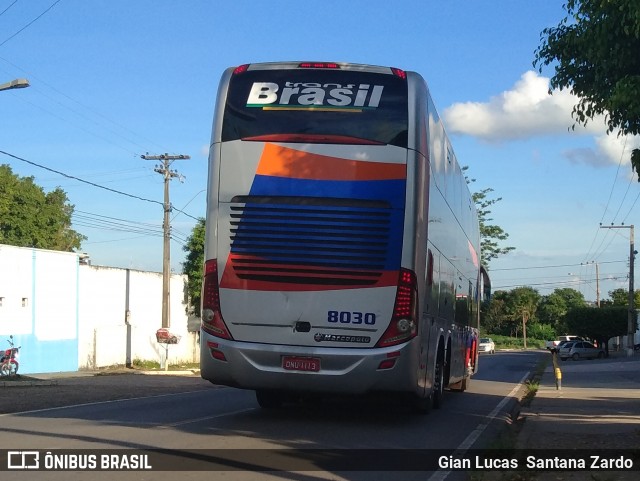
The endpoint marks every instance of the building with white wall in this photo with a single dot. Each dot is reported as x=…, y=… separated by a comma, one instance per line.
x=68, y=316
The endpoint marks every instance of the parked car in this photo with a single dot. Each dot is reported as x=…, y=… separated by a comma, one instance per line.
x=487, y=345
x=562, y=343
x=580, y=350
x=555, y=345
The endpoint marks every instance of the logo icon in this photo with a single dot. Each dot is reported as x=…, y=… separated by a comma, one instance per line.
x=321, y=337
x=23, y=460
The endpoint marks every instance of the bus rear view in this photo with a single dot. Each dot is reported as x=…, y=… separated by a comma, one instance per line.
x=310, y=285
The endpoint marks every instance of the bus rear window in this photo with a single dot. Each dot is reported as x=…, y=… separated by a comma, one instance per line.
x=317, y=106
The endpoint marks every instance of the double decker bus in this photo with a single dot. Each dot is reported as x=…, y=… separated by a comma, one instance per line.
x=342, y=249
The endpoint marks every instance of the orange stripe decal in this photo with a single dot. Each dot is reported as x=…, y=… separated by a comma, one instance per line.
x=280, y=161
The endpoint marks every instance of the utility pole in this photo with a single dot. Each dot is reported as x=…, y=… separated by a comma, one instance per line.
x=597, y=284
x=631, y=319
x=168, y=174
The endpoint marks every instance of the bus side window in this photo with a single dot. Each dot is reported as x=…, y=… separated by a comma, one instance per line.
x=432, y=286
x=447, y=291
x=463, y=306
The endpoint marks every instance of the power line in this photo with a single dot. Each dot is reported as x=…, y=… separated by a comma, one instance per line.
x=79, y=179
x=30, y=23
x=116, y=240
x=548, y=267
x=631, y=209
x=100, y=223
x=623, y=198
x=97, y=221
x=110, y=223
x=3, y=12
x=80, y=114
x=82, y=128
x=606, y=208
x=559, y=283
x=614, y=182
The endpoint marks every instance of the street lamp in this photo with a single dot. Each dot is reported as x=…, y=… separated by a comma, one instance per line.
x=19, y=83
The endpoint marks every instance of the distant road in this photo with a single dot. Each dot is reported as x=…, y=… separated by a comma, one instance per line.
x=225, y=418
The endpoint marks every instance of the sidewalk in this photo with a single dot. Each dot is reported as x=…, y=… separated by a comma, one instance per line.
x=51, y=379
x=597, y=406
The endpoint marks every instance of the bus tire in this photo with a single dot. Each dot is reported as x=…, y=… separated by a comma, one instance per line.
x=269, y=399
x=421, y=405
x=438, y=383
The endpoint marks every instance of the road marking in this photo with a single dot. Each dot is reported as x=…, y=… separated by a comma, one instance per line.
x=205, y=418
x=97, y=403
x=475, y=434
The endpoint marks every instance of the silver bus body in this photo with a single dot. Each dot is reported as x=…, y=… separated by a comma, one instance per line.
x=337, y=261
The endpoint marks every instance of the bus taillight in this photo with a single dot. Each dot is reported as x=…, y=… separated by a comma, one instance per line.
x=212, y=321
x=404, y=322
x=241, y=69
x=332, y=65
x=398, y=72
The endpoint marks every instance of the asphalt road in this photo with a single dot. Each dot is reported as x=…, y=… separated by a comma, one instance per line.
x=191, y=415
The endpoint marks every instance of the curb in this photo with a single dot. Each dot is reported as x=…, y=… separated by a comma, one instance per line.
x=55, y=381
x=193, y=372
x=38, y=382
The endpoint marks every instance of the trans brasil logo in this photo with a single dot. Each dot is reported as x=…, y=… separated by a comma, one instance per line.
x=311, y=95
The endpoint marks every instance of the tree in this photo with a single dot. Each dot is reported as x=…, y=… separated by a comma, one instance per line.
x=554, y=307
x=524, y=302
x=490, y=235
x=620, y=297
x=508, y=312
x=599, y=324
x=594, y=50
x=29, y=217
x=494, y=314
x=194, y=264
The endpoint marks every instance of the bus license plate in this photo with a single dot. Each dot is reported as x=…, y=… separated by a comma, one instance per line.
x=291, y=363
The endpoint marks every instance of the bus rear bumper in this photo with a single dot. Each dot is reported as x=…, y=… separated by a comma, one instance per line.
x=333, y=370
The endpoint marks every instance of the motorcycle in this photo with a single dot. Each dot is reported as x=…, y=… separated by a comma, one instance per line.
x=9, y=359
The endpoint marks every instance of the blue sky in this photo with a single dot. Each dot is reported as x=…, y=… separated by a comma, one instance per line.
x=114, y=79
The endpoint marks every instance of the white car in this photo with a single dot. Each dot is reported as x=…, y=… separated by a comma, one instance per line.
x=487, y=345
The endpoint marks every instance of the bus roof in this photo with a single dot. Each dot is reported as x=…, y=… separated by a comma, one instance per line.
x=292, y=65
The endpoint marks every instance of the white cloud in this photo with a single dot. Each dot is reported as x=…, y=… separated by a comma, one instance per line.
x=526, y=111
x=617, y=147
x=609, y=149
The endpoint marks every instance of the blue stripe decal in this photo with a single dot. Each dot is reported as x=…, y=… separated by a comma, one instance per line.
x=392, y=191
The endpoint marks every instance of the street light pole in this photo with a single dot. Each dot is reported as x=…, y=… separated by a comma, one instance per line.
x=597, y=285
x=19, y=83
x=597, y=281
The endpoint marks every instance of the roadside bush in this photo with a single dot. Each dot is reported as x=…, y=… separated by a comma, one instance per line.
x=508, y=342
x=540, y=331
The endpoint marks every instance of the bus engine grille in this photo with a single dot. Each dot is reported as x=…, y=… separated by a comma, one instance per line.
x=302, y=240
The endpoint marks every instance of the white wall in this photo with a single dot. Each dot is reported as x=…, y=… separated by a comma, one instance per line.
x=103, y=328
x=16, y=291
x=68, y=316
